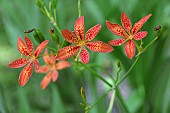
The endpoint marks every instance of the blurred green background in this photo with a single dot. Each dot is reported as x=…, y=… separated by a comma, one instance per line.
x=146, y=90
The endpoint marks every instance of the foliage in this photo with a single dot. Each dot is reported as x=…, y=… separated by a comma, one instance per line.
x=146, y=90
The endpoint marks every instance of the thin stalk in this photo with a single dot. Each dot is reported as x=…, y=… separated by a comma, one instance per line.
x=105, y=70
x=98, y=100
x=127, y=73
x=50, y=48
x=117, y=75
x=97, y=75
x=121, y=100
x=151, y=42
x=53, y=20
x=79, y=7
x=109, y=110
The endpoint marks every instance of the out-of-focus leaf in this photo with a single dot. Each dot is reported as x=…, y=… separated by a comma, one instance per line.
x=57, y=104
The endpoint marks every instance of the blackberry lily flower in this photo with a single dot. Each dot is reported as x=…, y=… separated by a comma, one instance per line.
x=51, y=68
x=81, y=42
x=127, y=33
x=27, y=48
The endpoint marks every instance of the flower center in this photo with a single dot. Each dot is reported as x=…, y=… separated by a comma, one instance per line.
x=130, y=37
x=81, y=43
x=32, y=57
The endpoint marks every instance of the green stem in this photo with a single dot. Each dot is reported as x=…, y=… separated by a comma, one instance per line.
x=117, y=75
x=151, y=42
x=79, y=7
x=121, y=100
x=97, y=75
x=137, y=46
x=111, y=102
x=98, y=100
x=51, y=48
x=127, y=73
x=105, y=70
x=53, y=20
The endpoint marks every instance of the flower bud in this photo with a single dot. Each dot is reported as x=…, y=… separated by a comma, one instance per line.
x=38, y=36
x=53, y=4
x=54, y=36
x=38, y=3
x=83, y=94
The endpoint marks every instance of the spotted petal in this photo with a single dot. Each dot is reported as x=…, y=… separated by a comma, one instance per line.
x=62, y=64
x=36, y=64
x=130, y=49
x=99, y=46
x=140, y=23
x=69, y=36
x=22, y=48
x=54, y=76
x=40, y=48
x=67, y=52
x=84, y=56
x=116, y=29
x=46, y=57
x=126, y=22
x=29, y=44
x=25, y=74
x=117, y=42
x=43, y=69
x=79, y=27
x=140, y=35
x=92, y=32
x=46, y=80
x=18, y=63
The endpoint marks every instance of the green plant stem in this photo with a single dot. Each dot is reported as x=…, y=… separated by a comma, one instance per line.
x=117, y=91
x=97, y=75
x=117, y=84
x=53, y=20
x=98, y=100
x=105, y=70
x=121, y=99
x=109, y=110
x=51, y=48
x=79, y=7
x=151, y=42
x=117, y=75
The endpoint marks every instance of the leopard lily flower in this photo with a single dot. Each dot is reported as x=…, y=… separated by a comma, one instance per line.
x=51, y=68
x=127, y=33
x=27, y=49
x=80, y=43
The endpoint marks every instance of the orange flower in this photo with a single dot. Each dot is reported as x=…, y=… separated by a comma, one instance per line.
x=51, y=68
x=127, y=33
x=26, y=48
x=81, y=42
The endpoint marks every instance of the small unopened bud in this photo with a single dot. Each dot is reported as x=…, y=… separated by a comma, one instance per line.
x=54, y=36
x=118, y=64
x=38, y=3
x=83, y=94
x=53, y=4
x=29, y=31
x=157, y=28
x=38, y=36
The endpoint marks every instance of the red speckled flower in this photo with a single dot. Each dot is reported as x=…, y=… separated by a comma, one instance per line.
x=128, y=33
x=81, y=42
x=26, y=48
x=51, y=68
